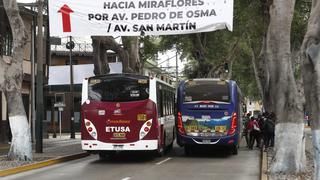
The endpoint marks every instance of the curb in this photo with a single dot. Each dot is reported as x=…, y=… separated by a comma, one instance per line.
x=264, y=165
x=41, y=164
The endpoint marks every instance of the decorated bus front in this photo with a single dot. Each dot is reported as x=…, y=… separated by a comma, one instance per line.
x=117, y=114
x=207, y=113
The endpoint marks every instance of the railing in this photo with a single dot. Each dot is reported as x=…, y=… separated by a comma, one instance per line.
x=80, y=47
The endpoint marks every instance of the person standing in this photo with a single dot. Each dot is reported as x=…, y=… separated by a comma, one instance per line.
x=245, y=133
x=269, y=131
x=253, y=130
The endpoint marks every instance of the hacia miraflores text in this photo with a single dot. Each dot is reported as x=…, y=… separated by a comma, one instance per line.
x=152, y=4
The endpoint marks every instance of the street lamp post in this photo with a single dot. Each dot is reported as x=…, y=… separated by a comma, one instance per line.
x=39, y=99
x=70, y=46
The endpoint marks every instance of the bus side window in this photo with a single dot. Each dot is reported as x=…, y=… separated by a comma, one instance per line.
x=172, y=103
x=160, y=103
x=167, y=103
x=164, y=99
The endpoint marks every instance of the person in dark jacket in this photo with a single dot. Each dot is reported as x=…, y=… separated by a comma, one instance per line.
x=253, y=130
x=260, y=136
x=269, y=128
x=245, y=133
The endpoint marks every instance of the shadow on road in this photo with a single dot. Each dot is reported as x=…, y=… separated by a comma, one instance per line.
x=202, y=152
x=139, y=157
x=135, y=157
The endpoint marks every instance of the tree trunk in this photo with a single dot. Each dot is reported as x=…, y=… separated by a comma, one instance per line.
x=100, y=46
x=198, y=53
x=231, y=57
x=284, y=97
x=100, y=63
x=255, y=65
x=10, y=82
x=131, y=45
x=311, y=79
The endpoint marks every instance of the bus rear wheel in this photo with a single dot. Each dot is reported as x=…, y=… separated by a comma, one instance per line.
x=234, y=150
x=159, y=153
x=104, y=155
x=187, y=150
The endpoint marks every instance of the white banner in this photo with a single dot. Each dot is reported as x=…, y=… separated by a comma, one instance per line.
x=138, y=17
x=60, y=75
x=115, y=67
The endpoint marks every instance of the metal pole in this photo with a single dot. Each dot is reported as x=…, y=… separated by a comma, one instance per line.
x=72, y=133
x=60, y=123
x=177, y=75
x=53, y=120
x=33, y=99
x=39, y=101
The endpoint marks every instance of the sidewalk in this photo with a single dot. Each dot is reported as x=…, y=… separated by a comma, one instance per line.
x=308, y=175
x=55, y=150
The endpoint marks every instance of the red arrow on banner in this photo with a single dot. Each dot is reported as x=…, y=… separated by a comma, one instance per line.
x=65, y=11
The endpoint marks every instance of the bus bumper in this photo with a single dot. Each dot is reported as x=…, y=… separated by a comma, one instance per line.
x=230, y=140
x=94, y=145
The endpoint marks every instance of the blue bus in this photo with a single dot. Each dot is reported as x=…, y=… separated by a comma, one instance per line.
x=209, y=112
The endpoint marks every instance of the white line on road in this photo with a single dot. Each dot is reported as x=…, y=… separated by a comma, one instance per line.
x=126, y=178
x=161, y=162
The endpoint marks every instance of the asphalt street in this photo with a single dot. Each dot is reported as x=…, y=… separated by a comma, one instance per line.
x=204, y=164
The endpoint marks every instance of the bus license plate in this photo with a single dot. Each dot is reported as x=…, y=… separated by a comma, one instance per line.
x=206, y=134
x=117, y=147
x=206, y=141
x=220, y=128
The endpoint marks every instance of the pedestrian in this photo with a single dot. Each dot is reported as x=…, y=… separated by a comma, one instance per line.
x=259, y=139
x=269, y=127
x=273, y=120
x=263, y=127
x=253, y=130
x=245, y=133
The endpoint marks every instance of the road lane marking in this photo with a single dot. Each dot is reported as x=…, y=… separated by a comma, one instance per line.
x=126, y=178
x=161, y=162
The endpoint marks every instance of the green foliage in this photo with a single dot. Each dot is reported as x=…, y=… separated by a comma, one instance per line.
x=150, y=47
x=251, y=20
x=300, y=22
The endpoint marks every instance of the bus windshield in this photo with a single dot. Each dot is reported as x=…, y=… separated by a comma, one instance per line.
x=118, y=89
x=207, y=90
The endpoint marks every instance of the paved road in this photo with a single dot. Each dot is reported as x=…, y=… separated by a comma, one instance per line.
x=217, y=165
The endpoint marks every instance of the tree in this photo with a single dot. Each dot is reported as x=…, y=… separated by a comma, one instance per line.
x=11, y=77
x=311, y=78
x=128, y=53
x=283, y=96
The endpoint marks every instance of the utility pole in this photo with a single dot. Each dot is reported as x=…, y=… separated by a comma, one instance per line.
x=177, y=73
x=33, y=99
x=39, y=101
x=70, y=46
